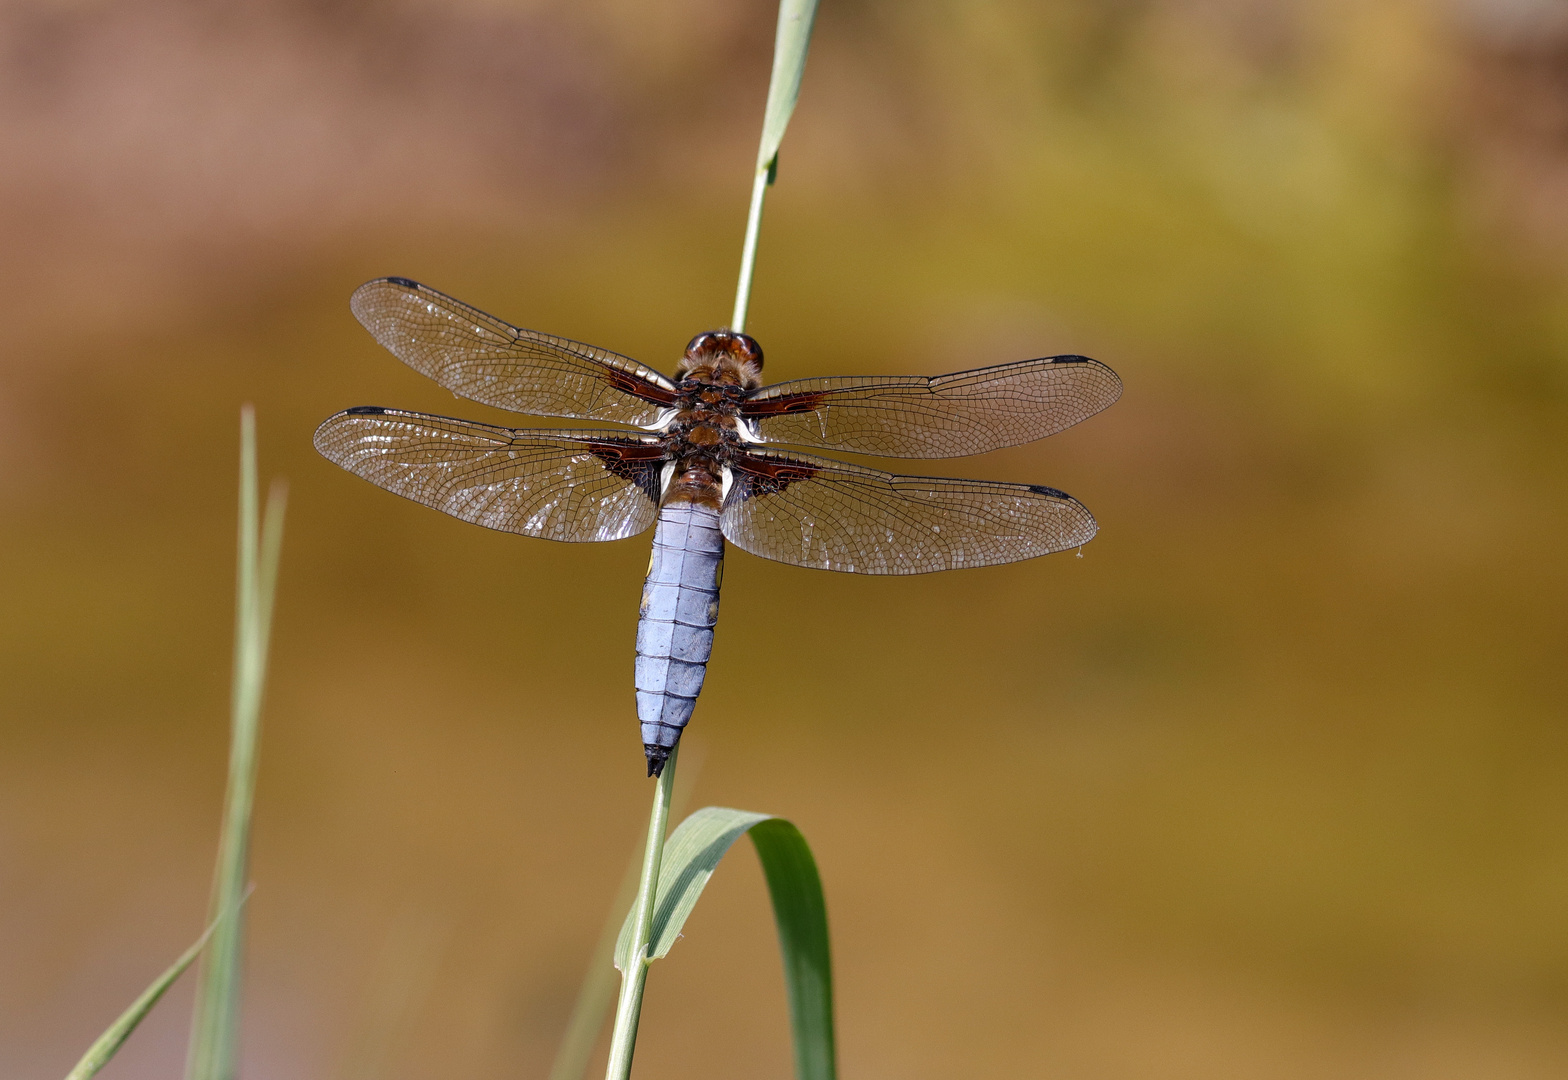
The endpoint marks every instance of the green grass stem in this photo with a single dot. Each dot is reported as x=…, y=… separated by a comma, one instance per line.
x=748, y=253
x=634, y=966
x=214, y=1044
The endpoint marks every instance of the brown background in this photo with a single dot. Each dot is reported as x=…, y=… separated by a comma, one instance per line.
x=1270, y=783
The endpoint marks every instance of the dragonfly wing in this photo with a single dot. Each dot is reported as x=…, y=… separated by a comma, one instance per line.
x=479, y=357
x=830, y=515
x=574, y=486
x=916, y=416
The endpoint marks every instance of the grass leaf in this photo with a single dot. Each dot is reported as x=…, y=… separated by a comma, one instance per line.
x=99, y=1053
x=801, y=915
x=693, y=852
x=789, y=64
x=214, y=1044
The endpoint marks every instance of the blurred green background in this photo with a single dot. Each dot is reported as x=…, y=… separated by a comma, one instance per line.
x=1270, y=783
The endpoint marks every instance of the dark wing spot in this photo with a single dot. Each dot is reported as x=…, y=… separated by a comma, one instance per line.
x=407, y=283
x=781, y=406
x=633, y=384
x=637, y=463
x=1041, y=489
x=365, y=410
x=764, y=476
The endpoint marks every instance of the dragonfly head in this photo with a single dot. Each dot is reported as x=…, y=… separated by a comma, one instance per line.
x=724, y=357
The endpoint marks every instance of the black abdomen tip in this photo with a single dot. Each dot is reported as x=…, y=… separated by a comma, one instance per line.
x=657, y=756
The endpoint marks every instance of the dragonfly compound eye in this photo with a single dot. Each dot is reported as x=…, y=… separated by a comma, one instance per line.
x=747, y=349
x=700, y=344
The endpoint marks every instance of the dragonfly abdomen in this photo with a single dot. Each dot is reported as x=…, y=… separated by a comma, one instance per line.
x=680, y=605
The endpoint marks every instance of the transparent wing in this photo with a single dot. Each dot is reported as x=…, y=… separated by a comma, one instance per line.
x=830, y=515
x=577, y=486
x=916, y=416
x=484, y=359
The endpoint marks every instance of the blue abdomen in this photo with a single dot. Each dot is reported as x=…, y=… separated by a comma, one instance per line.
x=680, y=604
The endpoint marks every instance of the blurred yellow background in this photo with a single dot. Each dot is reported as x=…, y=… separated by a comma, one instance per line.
x=1270, y=783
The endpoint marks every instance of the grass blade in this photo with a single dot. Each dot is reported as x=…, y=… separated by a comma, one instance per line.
x=107, y=1044
x=796, y=18
x=693, y=852
x=801, y=916
x=214, y=1044
x=789, y=64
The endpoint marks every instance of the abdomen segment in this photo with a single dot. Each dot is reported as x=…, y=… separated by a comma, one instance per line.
x=680, y=604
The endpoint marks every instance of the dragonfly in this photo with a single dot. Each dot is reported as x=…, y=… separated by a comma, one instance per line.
x=694, y=458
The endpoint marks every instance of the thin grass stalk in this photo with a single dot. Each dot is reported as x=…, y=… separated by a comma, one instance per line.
x=214, y=1044
x=748, y=254
x=623, y=1037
